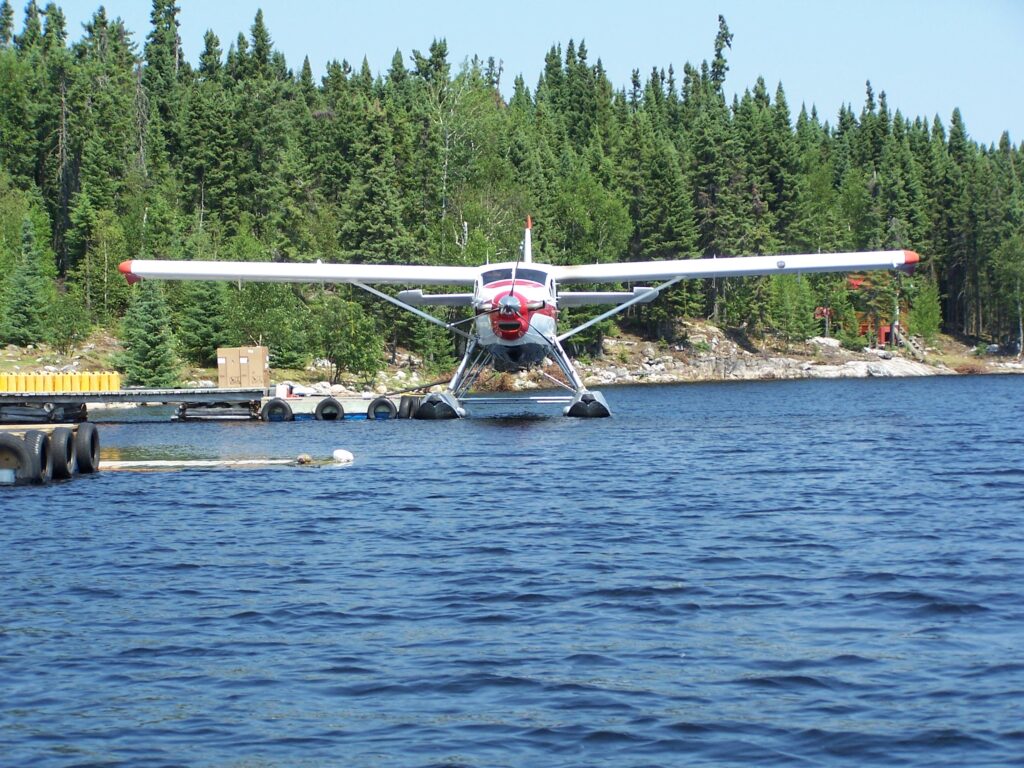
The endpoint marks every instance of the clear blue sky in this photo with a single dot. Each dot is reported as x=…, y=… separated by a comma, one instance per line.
x=929, y=56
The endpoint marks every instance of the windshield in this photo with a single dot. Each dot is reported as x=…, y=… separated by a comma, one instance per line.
x=505, y=273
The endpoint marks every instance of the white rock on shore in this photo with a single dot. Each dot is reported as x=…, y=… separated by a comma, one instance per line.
x=753, y=367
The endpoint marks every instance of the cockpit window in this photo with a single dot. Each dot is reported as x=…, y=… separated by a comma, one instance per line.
x=505, y=273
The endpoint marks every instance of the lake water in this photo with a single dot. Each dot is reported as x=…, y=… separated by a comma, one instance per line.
x=793, y=573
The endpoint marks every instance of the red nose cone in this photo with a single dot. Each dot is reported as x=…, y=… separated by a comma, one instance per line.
x=509, y=322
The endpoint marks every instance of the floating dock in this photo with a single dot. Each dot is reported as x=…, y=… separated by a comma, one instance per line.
x=202, y=403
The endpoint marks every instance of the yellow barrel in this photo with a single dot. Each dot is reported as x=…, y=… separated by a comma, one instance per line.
x=88, y=381
x=32, y=382
x=104, y=381
x=4, y=386
x=76, y=382
x=49, y=383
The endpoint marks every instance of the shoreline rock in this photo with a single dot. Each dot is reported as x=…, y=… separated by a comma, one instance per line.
x=754, y=368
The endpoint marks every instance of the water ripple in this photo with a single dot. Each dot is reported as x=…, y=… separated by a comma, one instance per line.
x=718, y=576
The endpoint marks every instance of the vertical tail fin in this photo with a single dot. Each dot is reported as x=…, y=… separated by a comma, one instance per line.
x=527, y=241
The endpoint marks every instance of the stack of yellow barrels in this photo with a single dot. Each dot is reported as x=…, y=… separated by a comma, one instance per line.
x=89, y=381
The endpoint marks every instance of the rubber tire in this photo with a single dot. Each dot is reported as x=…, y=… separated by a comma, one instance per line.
x=62, y=448
x=277, y=409
x=38, y=445
x=377, y=408
x=434, y=410
x=329, y=409
x=87, y=448
x=16, y=446
x=407, y=406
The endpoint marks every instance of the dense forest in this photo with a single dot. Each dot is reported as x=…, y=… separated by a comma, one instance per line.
x=108, y=153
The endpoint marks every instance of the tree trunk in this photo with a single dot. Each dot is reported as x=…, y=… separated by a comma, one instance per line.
x=1020, y=324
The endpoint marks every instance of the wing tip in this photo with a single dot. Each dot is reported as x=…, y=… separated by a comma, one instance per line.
x=911, y=257
x=125, y=268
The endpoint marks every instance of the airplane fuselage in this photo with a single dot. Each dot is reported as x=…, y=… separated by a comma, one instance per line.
x=516, y=313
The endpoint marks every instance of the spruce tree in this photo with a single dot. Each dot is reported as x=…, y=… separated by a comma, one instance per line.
x=32, y=31
x=164, y=67
x=6, y=24
x=148, y=359
x=926, y=312
x=29, y=294
x=199, y=321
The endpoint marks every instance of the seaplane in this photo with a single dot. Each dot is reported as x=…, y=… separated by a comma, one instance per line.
x=515, y=305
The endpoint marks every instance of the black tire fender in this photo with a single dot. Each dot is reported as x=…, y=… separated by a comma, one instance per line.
x=13, y=451
x=277, y=409
x=329, y=409
x=380, y=409
x=407, y=406
x=87, y=448
x=38, y=445
x=62, y=448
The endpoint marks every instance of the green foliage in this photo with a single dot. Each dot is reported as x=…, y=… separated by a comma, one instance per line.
x=119, y=148
x=271, y=315
x=29, y=295
x=792, y=307
x=344, y=335
x=148, y=359
x=926, y=312
x=69, y=320
x=199, y=321
x=434, y=345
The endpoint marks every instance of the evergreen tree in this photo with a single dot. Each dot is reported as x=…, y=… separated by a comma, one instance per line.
x=32, y=31
x=68, y=320
x=6, y=24
x=29, y=294
x=199, y=321
x=925, y=312
x=148, y=359
x=198, y=307
x=792, y=307
x=1009, y=268
x=164, y=65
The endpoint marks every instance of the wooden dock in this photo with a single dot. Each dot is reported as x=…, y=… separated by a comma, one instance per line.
x=197, y=404
x=137, y=395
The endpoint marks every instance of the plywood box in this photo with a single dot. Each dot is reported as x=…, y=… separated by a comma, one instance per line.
x=254, y=367
x=228, y=372
x=247, y=367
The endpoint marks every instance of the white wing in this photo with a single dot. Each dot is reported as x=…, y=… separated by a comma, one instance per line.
x=277, y=272
x=622, y=272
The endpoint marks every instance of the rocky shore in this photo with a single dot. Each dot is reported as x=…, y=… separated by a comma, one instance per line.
x=708, y=354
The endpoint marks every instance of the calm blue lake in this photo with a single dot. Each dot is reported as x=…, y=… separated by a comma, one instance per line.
x=793, y=573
